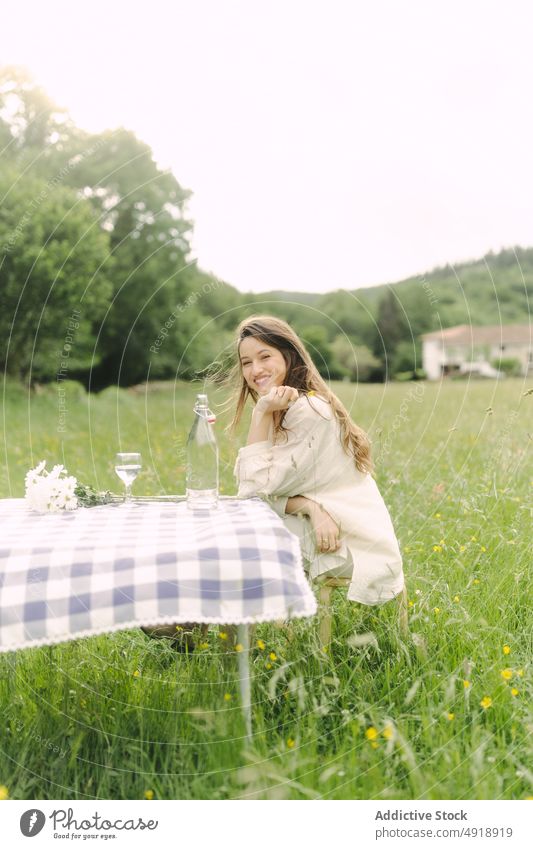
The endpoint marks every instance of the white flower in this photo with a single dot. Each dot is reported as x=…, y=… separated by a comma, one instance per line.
x=59, y=499
x=50, y=491
x=70, y=484
x=37, y=495
x=33, y=474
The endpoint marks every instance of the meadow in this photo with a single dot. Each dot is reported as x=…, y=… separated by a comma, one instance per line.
x=443, y=714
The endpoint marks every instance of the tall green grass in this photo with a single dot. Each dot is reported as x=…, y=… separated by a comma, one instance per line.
x=431, y=716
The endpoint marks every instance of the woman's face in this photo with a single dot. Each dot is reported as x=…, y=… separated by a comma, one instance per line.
x=262, y=366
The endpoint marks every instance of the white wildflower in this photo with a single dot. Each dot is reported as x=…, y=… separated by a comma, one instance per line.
x=33, y=474
x=50, y=492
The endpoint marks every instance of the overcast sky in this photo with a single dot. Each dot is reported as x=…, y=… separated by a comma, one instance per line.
x=328, y=144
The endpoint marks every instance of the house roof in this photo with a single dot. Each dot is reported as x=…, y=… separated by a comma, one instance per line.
x=497, y=334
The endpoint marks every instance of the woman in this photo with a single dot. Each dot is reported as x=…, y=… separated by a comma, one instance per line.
x=306, y=457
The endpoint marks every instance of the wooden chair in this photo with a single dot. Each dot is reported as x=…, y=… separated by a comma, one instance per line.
x=327, y=586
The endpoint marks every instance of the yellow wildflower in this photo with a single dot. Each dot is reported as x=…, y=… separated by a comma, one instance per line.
x=486, y=702
x=466, y=684
x=436, y=611
x=371, y=733
x=514, y=691
x=475, y=581
x=483, y=548
x=456, y=598
x=473, y=539
x=450, y=716
x=227, y=697
x=374, y=744
x=437, y=515
x=203, y=646
x=506, y=674
x=239, y=647
x=148, y=794
x=462, y=548
x=520, y=673
x=388, y=732
x=506, y=649
x=223, y=635
x=268, y=666
x=411, y=603
x=290, y=743
x=261, y=645
x=136, y=673
x=4, y=792
x=437, y=548
x=179, y=627
x=273, y=655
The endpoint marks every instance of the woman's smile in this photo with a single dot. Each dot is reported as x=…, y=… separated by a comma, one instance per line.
x=261, y=382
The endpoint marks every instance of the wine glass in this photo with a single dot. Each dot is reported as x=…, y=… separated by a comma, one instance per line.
x=127, y=467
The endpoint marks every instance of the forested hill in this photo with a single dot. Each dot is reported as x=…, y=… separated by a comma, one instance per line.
x=496, y=288
x=385, y=322
x=97, y=281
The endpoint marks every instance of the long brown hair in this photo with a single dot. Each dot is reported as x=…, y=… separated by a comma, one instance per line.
x=303, y=375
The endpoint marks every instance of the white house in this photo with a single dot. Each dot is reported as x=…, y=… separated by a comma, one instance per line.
x=471, y=350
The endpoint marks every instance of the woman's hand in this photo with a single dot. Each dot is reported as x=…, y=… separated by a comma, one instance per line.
x=326, y=529
x=278, y=398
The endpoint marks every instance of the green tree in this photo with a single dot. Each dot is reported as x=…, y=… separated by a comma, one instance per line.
x=315, y=339
x=391, y=328
x=355, y=361
x=52, y=253
x=139, y=208
x=407, y=357
x=30, y=122
x=351, y=312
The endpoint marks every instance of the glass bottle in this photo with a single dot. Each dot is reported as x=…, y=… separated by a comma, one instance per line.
x=202, y=459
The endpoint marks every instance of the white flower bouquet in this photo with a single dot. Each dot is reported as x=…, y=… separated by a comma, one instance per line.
x=50, y=492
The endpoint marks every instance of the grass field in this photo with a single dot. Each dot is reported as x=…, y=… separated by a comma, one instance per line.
x=446, y=714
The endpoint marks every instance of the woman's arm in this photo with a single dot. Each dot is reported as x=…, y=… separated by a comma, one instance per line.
x=279, y=398
x=298, y=462
x=327, y=532
x=259, y=426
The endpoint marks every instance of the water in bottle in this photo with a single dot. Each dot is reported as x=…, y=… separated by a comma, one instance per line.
x=202, y=459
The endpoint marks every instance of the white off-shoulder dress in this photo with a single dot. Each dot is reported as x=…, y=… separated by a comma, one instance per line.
x=309, y=460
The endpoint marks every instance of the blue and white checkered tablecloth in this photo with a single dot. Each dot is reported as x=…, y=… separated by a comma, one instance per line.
x=74, y=574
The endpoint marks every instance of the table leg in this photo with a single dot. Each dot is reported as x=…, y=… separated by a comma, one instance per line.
x=243, y=638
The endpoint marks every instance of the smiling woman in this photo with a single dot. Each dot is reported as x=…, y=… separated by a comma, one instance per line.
x=312, y=463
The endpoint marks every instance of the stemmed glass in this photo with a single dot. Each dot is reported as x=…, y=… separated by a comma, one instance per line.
x=127, y=467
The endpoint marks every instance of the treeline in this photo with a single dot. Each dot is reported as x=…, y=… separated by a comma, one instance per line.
x=98, y=284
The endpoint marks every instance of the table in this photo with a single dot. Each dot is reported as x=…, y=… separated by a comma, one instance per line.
x=117, y=566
